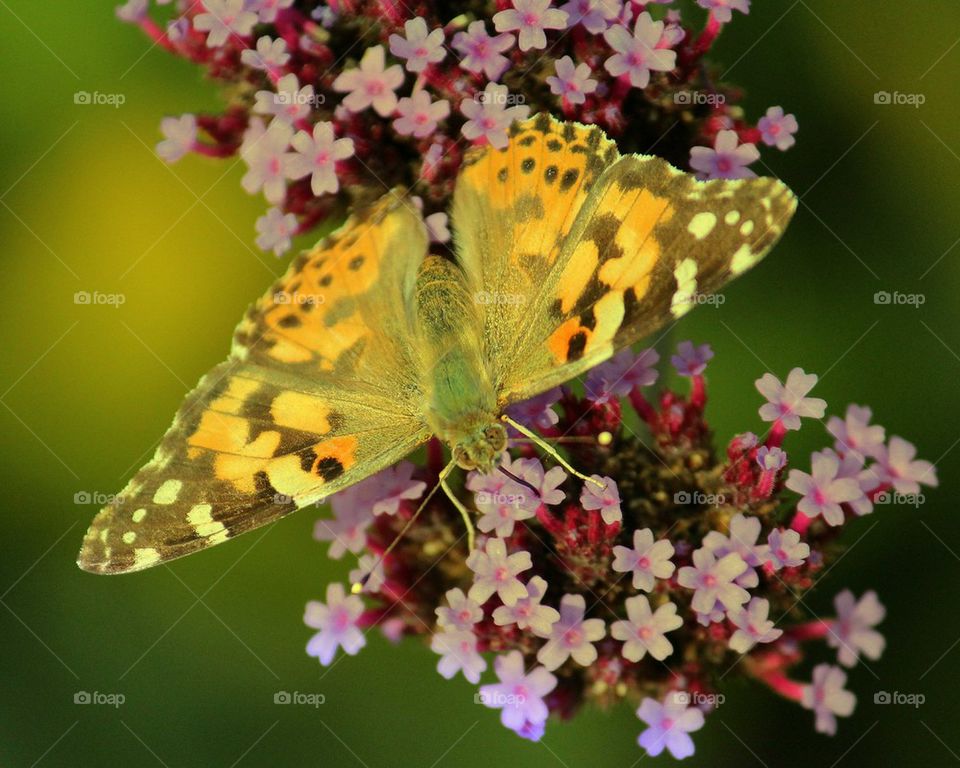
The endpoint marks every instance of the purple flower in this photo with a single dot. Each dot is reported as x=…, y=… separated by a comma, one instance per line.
x=637, y=55
x=691, y=360
x=347, y=530
x=458, y=650
x=823, y=492
x=744, y=532
x=726, y=160
x=784, y=549
x=753, y=626
x=336, y=621
x=316, y=156
x=854, y=432
x=502, y=509
x=621, y=374
x=606, y=499
x=852, y=466
x=853, y=633
x=771, y=459
x=460, y=612
x=722, y=10
x=419, y=47
x=290, y=102
x=670, y=723
x=223, y=18
x=180, y=134
x=648, y=560
x=132, y=11
x=275, y=228
x=437, y=229
x=593, y=15
x=268, y=10
x=369, y=573
x=496, y=572
x=386, y=490
x=530, y=18
x=537, y=412
x=572, y=82
x=264, y=150
x=418, y=115
x=896, y=465
x=489, y=117
x=777, y=129
x=269, y=54
x=572, y=636
x=827, y=698
x=643, y=630
x=371, y=84
x=788, y=403
x=712, y=580
x=527, y=612
x=481, y=52
x=519, y=695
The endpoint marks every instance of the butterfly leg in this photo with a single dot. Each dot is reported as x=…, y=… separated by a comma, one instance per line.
x=549, y=449
x=464, y=513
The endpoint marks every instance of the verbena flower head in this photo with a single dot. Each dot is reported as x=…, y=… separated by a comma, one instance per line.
x=678, y=574
x=375, y=95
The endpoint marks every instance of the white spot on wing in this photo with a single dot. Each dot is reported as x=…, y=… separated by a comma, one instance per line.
x=702, y=224
x=167, y=493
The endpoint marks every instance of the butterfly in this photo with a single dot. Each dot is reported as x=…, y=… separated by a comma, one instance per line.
x=369, y=346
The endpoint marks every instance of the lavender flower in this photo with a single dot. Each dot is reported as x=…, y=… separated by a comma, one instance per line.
x=637, y=55
x=336, y=621
x=827, y=698
x=787, y=403
x=714, y=575
x=519, y=694
x=728, y=159
x=530, y=18
x=777, y=129
x=643, y=630
x=572, y=636
x=669, y=724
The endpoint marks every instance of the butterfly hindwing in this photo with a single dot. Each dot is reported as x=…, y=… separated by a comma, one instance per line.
x=301, y=409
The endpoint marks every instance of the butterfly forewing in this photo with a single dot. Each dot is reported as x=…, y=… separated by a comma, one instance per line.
x=319, y=392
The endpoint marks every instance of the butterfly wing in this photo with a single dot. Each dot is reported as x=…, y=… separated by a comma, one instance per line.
x=625, y=248
x=320, y=391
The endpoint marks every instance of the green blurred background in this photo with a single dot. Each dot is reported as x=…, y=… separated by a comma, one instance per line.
x=199, y=649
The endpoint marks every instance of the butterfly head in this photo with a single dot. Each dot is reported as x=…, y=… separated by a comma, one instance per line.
x=481, y=448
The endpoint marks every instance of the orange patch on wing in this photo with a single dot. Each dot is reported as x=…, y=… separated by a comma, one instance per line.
x=569, y=336
x=577, y=273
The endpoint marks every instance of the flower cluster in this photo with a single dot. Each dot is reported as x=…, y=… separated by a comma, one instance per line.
x=675, y=570
x=332, y=103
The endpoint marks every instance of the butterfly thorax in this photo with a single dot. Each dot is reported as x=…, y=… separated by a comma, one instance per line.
x=461, y=403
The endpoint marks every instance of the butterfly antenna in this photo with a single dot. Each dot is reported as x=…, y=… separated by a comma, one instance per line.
x=357, y=587
x=519, y=480
x=549, y=449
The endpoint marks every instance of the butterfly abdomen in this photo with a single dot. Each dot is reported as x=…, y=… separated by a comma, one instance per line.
x=460, y=395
